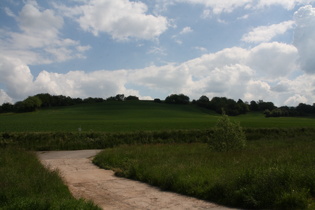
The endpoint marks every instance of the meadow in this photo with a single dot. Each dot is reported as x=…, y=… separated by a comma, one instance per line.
x=166, y=145
x=266, y=175
x=129, y=116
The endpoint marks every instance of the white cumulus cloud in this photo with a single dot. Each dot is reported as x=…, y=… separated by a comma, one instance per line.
x=122, y=19
x=267, y=33
x=16, y=77
x=304, y=37
x=4, y=97
x=249, y=74
x=273, y=60
x=39, y=40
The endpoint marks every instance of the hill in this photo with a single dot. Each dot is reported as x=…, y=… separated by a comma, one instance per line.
x=125, y=116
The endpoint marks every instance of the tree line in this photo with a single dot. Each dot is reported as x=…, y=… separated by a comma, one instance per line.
x=45, y=100
x=217, y=104
x=233, y=108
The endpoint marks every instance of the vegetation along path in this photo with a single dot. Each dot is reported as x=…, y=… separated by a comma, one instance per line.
x=85, y=180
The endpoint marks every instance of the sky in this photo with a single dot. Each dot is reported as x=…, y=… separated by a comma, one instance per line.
x=239, y=49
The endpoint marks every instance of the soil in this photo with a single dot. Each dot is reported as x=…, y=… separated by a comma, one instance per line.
x=87, y=181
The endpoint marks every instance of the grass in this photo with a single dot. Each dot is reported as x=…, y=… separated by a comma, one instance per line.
x=26, y=184
x=267, y=174
x=101, y=140
x=276, y=170
x=132, y=116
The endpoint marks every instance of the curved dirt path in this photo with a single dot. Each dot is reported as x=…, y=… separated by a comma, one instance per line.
x=85, y=180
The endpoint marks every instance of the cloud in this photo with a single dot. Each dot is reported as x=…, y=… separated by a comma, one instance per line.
x=122, y=19
x=257, y=90
x=304, y=37
x=186, y=30
x=169, y=78
x=4, y=97
x=296, y=99
x=201, y=49
x=267, y=33
x=39, y=40
x=273, y=60
x=249, y=74
x=303, y=86
x=9, y=12
x=218, y=6
x=287, y=4
x=157, y=51
x=80, y=84
x=16, y=77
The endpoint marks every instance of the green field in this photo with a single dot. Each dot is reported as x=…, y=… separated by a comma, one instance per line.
x=165, y=145
x=130, y=116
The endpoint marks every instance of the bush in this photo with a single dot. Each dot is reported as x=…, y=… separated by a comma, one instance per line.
x=227, y=135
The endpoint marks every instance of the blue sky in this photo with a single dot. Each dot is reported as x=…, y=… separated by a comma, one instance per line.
x=249, y=49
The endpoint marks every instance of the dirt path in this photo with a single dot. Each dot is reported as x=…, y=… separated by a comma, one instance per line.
x=87, y=181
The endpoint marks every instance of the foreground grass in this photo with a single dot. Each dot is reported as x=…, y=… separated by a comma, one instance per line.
x=267, y=174
x=26, y=184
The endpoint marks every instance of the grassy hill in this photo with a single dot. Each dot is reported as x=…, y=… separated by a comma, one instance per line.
x=128, y=116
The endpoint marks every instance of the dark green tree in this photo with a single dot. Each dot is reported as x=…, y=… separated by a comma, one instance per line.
x=132, y=98
x=177, y=99
x=6, y=107
x=32, y=103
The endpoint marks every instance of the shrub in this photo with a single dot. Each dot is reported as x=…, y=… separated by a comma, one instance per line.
x=227, y=135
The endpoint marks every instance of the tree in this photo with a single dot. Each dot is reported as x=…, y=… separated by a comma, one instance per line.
x=253, y=106
x=265, y=105
x=177, y=99
x=46, y=98
x=243, y=107
x=227, y=135
x=203, y=101
x=120, y=97
x=157, y=100
x=305, y=108
x=91, y=100
x=218, y=104
x=6, y=107
x=132, y=98
x=32, y=103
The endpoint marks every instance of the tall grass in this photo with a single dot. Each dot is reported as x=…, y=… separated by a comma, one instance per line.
x=26, y=184
x=101, y=140
x=267, y=174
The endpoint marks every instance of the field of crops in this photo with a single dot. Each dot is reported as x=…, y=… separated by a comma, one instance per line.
x=131, y=116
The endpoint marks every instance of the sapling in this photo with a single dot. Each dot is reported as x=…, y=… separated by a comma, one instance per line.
x=227, y=135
